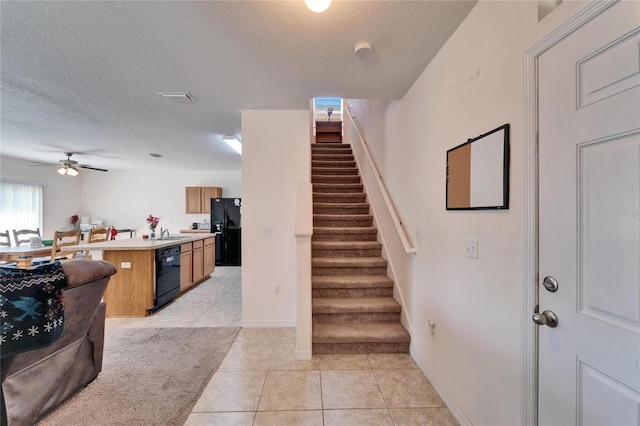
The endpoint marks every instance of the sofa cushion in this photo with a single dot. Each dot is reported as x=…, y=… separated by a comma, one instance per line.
x=31, y=307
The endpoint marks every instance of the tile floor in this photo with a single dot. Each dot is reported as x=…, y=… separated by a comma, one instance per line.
x=260, y=382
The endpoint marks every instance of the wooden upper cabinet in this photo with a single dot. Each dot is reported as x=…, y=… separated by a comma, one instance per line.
x=198, y=198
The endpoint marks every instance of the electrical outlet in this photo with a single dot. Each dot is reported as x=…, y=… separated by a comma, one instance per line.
x=471, y=249
x=125, y=265
x=277, y=289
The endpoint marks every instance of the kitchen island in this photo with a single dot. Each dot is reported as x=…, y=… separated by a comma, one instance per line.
x=133, y=291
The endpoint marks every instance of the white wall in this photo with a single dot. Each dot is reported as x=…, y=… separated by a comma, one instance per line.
x=120, y=198
x=474, y=85
x=61, y=194
x=275, y=157
x=126, y=198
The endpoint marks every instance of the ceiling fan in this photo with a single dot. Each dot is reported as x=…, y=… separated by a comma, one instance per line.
x=69, y=167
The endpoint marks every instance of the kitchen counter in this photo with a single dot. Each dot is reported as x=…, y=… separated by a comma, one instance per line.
x=140, y=244
x=195, y=231
x=133, y=291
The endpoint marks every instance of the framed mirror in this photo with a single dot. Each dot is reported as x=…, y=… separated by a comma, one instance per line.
x=478, y=172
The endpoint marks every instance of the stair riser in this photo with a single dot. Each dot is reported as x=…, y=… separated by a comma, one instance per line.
x=343, y=223
x=339, y=189
x=347, y=293
x=349, y=270
x=331, y=151
x=341, y=210
x=361, y=348
x=368, y=236
x=346, y=252
x=335, y=164
x=357, y=318
x=346, y=197
x=335, y=179
x=331, y=157
x=344, y=171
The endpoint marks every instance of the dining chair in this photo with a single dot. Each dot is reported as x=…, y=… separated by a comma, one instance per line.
x=23, y=236
x=97, y=235
x=5, y=239
x=64, y=239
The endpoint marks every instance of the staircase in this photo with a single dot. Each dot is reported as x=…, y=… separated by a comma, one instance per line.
x=353, y=306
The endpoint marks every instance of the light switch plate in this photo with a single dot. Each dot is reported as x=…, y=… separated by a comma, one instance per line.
x=471, y=249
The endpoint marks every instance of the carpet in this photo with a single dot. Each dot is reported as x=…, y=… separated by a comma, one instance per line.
x=150, y=376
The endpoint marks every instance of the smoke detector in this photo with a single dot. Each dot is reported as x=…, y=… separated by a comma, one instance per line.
x=362, y=48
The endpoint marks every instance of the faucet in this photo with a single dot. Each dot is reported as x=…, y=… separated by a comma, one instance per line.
x=162, y=231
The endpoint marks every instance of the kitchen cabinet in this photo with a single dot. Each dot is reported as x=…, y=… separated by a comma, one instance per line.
x=209, y=256
x=198, y=198
x=186, y=266
x=133, y=290
x=198, y=261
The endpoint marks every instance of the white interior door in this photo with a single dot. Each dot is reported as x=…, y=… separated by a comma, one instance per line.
x=589, y=222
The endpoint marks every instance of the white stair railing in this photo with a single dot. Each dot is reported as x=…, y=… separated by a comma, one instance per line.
x=402, y=233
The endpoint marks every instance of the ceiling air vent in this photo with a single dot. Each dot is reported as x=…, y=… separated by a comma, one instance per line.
x=177, y=96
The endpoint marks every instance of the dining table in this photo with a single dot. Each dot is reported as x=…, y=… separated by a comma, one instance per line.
x=24, y=254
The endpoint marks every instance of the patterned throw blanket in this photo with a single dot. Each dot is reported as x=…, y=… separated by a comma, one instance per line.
x=31, y=307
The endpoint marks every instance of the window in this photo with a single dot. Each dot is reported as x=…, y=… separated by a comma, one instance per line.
x=20, y=205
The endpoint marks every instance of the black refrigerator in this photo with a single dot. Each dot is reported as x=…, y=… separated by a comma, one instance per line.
x=225, y=222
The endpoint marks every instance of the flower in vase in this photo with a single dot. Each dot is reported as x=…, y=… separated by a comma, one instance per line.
x=74, y=219
x=153, y=221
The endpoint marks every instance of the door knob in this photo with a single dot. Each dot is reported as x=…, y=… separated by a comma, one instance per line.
x=547, y=318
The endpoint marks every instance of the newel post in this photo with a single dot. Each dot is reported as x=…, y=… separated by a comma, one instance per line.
x=303, y=231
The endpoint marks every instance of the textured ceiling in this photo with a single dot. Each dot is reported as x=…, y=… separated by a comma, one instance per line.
x=84, y=76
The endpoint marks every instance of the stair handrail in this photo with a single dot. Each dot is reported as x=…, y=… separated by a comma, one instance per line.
x=404, y=238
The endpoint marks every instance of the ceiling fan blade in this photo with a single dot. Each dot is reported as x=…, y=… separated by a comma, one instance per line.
x=43, y=164
x=84, y=166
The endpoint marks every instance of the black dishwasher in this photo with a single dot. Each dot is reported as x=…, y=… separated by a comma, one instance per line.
x=167, y=275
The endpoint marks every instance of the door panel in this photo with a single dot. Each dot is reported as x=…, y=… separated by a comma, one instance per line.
x=589, y=222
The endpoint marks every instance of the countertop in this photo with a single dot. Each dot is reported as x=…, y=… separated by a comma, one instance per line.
x=139, y=243
x=196, y=231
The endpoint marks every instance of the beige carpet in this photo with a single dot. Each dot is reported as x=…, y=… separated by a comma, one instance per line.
x=151, y=376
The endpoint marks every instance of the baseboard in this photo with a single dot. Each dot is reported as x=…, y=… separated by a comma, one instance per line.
x=267, y=324
x=303, y=355
x=440, y=390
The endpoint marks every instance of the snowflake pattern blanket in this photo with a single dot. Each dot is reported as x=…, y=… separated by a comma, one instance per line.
x=31, y=307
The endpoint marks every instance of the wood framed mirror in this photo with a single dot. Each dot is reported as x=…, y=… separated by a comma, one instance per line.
x=478, y=172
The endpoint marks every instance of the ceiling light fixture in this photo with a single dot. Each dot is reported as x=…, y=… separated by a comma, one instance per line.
x=234, y=143
x=68, y=170
x=317, y=6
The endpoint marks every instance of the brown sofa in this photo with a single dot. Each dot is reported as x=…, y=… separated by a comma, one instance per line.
x=37, y=381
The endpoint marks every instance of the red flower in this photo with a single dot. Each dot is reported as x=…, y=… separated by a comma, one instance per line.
x=74, y=219
x=153, y=221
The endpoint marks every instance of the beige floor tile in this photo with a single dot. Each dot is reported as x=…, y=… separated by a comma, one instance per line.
x=350, y=389
x=248, y=357
x=407, y=389
x=343, y=362
x=231, y=391
x=220, y=419
x=423, y=416
x=286, y=334
x=391, y=361
x=257, y=335
x=289, y=418
x=291, y=390
x=284, y=358
x=367, y=417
